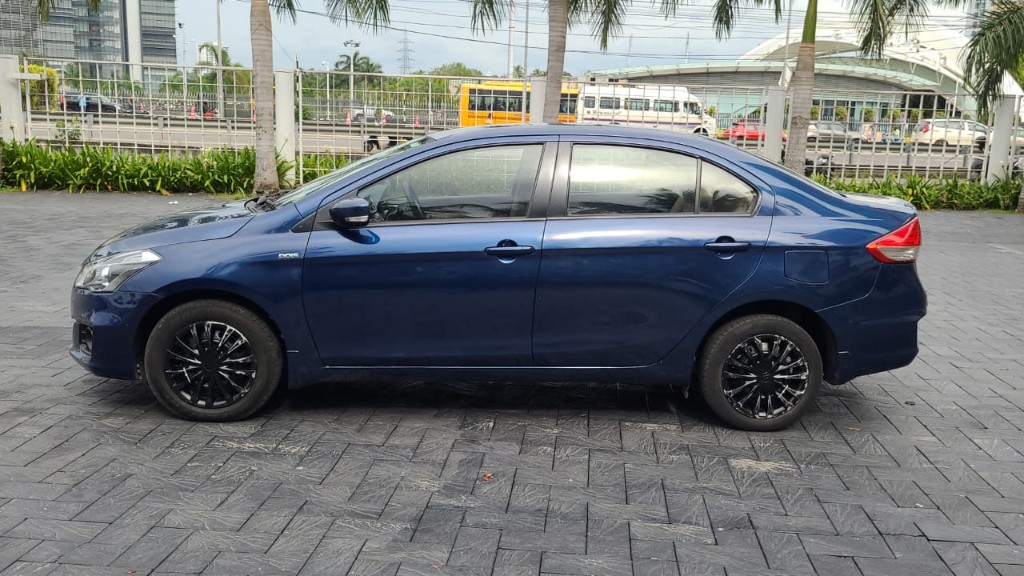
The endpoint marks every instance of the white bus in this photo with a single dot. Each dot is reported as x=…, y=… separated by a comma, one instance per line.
x=671, y=107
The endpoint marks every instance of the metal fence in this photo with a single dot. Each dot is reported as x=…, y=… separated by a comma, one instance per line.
x=172, y=109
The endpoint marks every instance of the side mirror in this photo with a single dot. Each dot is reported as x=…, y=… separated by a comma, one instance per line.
x=351, y=212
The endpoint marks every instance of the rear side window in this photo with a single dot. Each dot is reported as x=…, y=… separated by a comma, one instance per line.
x=620, y=180
x=606, y=180
x=588, y=102
x=723, y=192
x=608, y=103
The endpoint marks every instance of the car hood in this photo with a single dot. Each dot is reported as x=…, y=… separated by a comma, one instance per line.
x=208, y=223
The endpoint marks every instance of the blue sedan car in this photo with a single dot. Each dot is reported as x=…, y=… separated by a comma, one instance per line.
x=576, y=253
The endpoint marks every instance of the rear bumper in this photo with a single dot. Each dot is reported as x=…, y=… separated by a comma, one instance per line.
x=879, y=332
x=103, y=336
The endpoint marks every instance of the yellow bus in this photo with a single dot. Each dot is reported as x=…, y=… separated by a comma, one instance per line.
x=502, y=103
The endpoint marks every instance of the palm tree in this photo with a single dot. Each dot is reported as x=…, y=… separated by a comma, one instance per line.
x=604, y=16
x=874, y=19
x=364, y=65
x=996, y=49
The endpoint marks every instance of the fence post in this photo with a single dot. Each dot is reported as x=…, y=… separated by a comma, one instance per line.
x=284, y=115
x=12, y=114
x=999, y=147
x=774, y=116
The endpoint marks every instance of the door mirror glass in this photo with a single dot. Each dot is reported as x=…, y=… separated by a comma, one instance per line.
x=351, y=212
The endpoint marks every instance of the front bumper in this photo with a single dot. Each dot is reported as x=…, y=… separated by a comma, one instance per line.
x=103, y=337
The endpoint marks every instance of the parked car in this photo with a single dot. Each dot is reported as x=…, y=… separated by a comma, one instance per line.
x=941, y=132
x=576, y=253
x=95, y=103
x=746, y=131
x=830, y=132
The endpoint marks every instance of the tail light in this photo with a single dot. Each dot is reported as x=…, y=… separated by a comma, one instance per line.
x=898, y=246
x=926, y=128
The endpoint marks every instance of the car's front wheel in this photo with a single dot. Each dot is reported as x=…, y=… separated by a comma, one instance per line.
x=212, y=360
x=760, y=372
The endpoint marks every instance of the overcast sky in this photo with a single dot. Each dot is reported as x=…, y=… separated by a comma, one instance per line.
x=439, y=32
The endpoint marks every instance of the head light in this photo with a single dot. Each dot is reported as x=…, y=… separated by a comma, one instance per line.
x=107, y=273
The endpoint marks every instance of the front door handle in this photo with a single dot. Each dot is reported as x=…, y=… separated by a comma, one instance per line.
x=509, y=251
x=726, y=245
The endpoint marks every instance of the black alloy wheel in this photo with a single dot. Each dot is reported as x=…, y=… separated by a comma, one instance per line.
x=211, y=360
x=760, y=372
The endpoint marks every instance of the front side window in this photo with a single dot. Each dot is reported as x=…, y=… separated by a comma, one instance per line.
x=495, y=182
x=588, y=101
x=609, y=180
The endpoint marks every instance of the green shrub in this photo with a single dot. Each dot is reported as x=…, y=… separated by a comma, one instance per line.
x=935, y=193
x=34, y=166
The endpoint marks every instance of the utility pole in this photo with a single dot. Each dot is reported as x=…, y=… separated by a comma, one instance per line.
x=687, y=61
x=511, y=38
x=526, y=59
x=405, y=58
x=351, y=76
x=220, y=65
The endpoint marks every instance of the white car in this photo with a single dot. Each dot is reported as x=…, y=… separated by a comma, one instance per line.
x=941, y=132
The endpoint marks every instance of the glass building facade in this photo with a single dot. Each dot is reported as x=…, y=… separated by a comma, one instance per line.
x=75, y=32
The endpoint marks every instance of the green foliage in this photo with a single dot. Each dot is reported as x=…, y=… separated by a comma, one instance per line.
x=456, y=69
x=34, y=166
x=935, y=193
x=842, y=114
x=869, y=114
x=314, y=167
x=69, y=130
x=815, y=113
x=45, y=93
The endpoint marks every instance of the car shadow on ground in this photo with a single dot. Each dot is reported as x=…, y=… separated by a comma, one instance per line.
x=627, y=401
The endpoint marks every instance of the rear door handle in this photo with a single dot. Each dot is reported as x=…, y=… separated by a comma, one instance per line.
x=726, y=245
x=509, y=251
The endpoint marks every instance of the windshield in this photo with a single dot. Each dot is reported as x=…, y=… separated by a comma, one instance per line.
x=357, y=166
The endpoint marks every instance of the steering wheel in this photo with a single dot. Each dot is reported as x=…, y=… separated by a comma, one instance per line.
x=414, y=201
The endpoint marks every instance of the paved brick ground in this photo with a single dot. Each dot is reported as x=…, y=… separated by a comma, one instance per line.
x=919, y=471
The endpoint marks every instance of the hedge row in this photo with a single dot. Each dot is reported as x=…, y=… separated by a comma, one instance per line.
x=936, y=193
x=35, y=166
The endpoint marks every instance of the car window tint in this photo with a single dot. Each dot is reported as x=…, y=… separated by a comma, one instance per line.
x=721, y=191
x=628, y=180
x=495, y=182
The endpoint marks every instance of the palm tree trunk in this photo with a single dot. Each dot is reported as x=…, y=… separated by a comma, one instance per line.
x=802, y=95
x=263, y=93
x=558, y=24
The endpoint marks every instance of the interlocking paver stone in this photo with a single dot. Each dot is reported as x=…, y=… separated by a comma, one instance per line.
x=915, y=471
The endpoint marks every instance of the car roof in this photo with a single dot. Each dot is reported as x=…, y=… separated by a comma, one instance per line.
x=613, y=131
x=709, y=145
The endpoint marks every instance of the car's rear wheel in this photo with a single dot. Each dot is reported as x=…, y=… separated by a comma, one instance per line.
x=212, y=360
x=760, y=372
x=939, y=144
x=811, y=139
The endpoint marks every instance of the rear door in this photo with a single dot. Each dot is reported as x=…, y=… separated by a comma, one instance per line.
x=640, y=244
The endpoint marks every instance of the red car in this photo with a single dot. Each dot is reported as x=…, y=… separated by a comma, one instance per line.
x=746, y=131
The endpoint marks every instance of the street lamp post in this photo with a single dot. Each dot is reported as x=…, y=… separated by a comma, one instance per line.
x=352, y=44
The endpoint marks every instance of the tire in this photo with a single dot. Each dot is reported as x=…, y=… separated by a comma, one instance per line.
x=940, y=144
x=359, y=119
x=728, y=340
x=812, y=139
x=190, y=396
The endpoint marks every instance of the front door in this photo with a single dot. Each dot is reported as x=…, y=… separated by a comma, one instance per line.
x=648, y=241
x=444, y=274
